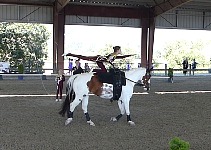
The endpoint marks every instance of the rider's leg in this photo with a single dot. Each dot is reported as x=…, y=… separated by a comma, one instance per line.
x=102, y=66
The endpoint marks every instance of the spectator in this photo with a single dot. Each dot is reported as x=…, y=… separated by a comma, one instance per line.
x=185, y=66
x=77, y=69
x=70, y=67
x=60, y=78
x=194, y=63
x=86, y=67
x=170, y=75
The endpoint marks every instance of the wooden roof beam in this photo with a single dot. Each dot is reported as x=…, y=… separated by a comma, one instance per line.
x=167, y=5
x=60, y=4
x=104, y=11
x=25, y=2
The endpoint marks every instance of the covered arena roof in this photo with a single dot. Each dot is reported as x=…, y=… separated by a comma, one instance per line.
x=147, y=14
x=202, y=5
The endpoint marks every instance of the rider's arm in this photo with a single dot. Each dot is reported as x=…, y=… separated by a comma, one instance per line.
x=111, y=57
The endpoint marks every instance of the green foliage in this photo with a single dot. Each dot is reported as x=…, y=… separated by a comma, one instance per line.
x=20, y=68
x=175, y=52
x=178, y=144
x=25, y=42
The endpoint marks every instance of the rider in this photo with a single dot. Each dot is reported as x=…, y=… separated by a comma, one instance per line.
x=110, y=58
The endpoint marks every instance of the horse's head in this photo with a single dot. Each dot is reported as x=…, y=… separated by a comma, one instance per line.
x=146, y=80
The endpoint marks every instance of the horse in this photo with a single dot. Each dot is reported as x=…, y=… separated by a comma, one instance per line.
x=78, y=89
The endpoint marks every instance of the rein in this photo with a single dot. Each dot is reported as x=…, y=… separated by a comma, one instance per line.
x=140, y=84
x=135, y=82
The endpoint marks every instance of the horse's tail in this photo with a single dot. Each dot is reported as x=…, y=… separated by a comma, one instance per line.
x=69, y=86
x=70, y=95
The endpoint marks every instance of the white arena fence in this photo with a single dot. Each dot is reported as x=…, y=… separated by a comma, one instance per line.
x=29, y=76
x=155, y=72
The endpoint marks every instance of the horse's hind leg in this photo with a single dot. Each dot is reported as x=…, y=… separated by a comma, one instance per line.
x=71, y=110
x=122, y=111
x=84, y=108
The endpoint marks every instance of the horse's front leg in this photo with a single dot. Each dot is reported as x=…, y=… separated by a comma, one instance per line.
x=127, y=109
x=122, y=111
x=84, y=108
x=71, y=110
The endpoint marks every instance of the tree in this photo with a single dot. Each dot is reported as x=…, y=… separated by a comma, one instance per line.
x=175, y=52
x=23, y=43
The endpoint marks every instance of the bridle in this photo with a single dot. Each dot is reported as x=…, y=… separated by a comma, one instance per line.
x=145, y=82
x=145, y=79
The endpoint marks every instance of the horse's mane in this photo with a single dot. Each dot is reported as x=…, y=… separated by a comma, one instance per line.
x=132, y=71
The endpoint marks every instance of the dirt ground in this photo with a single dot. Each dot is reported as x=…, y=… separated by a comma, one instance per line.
x=33, y=122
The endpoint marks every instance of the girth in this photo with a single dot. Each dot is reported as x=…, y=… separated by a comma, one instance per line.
x=115, y=77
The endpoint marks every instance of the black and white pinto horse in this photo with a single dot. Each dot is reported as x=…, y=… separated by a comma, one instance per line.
x=78, y=92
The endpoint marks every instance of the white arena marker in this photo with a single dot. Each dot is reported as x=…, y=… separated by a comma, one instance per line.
x=138, y=93
x=26, y=95
x=142, y=93
x=182, y=92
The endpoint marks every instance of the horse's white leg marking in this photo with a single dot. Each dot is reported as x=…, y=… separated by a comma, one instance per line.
x=131, y=123
x=91, y=123
x=68, y=121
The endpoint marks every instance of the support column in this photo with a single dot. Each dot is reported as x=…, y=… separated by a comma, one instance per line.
x=151, y=41
x=58, y=39
x=144, y=33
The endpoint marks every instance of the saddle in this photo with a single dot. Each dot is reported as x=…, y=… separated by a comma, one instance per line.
x=115, y=77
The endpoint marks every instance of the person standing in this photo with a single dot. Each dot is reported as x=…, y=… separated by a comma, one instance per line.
x=185, y=66
x=86, y=67
x=170, y=75
x=70, y=67
x=194, y=63
x=77, y=69
x=60, y=78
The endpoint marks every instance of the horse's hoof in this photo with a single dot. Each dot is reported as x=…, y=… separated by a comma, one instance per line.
x=131, y=123
x=68, y=121
x=91, y=123
x=113, y=119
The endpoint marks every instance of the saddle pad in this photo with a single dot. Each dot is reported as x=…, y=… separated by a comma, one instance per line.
x=112, y=77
